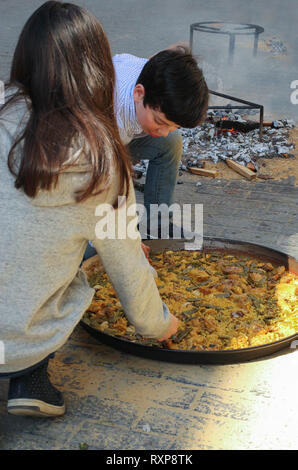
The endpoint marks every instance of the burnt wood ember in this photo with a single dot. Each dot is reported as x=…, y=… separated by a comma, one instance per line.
x=248, y=106
x=240, y=126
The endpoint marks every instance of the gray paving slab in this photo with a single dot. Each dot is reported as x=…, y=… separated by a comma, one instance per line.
x=263, y=213
x=143, y=28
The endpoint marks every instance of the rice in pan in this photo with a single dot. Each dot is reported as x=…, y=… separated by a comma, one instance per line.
x=223, y=301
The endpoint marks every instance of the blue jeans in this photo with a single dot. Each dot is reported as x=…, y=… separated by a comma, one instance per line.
x=164, y=155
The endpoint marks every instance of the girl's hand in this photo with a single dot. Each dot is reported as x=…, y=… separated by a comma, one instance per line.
x=173, y=329
x=146, y=250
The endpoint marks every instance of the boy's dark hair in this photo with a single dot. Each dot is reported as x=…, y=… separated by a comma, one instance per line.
x=175, y=85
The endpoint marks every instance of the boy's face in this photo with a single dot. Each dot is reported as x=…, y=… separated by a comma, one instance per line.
x=153, y=122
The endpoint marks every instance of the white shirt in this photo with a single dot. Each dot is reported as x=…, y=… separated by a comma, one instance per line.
x=127, y=69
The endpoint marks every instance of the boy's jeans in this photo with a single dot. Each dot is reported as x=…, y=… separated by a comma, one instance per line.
x=164, y=155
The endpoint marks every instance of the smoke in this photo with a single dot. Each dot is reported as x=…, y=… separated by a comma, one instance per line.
x=263, y=79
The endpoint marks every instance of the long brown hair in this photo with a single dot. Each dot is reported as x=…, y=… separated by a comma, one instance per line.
x=63, y=63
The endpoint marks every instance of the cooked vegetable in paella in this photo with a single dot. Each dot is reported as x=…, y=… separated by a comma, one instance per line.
x=223, y=301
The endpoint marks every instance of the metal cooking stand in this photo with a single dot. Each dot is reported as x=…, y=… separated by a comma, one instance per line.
x=229, y=29
x=232, y=30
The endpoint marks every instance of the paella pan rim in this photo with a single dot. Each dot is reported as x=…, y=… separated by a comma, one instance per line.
x=226, y=356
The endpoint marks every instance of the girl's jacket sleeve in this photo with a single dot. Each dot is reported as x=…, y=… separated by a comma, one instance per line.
x=129, y=270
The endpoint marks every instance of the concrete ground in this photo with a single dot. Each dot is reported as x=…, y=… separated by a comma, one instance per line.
x=120, y=401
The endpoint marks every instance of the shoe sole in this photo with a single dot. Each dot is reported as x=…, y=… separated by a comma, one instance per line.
x=29, y=407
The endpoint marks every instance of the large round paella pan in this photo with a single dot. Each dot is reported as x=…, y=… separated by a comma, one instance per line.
x=220, y=252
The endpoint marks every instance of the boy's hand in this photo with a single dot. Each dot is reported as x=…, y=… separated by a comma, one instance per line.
x=183, y=45
x=173, y=329
x=179, y=45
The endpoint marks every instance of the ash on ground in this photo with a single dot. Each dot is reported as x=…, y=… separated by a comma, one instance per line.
x=208, y=143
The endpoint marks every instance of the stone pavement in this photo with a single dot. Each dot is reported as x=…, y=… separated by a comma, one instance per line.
x=253, y=211
x=119, y=401
x=141, y=27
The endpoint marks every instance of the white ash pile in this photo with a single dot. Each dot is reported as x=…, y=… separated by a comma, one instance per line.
x=209, y=142
x=140, y=169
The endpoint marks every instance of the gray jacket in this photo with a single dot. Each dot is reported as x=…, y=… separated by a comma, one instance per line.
x=43, y=292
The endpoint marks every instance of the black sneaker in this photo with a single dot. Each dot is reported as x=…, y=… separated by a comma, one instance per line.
x=34, y=395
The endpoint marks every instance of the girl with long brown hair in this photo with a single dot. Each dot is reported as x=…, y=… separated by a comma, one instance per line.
x=61, y=158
